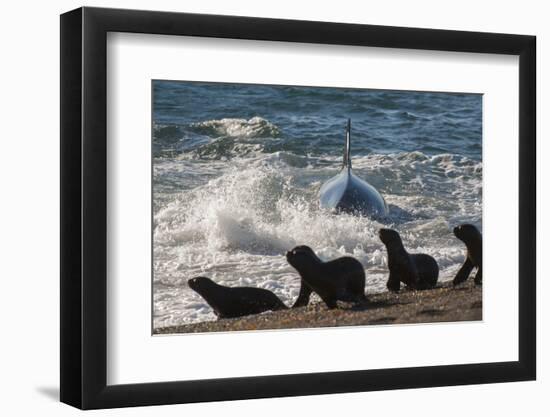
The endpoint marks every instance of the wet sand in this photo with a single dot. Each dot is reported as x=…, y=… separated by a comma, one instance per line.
x=442, y=304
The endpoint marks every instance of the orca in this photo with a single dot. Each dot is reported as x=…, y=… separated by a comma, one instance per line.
x=347, y=193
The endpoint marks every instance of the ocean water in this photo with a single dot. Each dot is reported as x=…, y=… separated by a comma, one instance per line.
x=237, y=170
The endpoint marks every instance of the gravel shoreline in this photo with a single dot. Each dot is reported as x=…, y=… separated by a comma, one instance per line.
x=441, y=304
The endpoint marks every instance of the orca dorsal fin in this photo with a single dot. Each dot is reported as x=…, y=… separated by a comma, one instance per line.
x=347, y=147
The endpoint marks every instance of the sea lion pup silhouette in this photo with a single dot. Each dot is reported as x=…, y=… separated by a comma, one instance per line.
x=341, y=279
x=469, y=234
x=229, y=302
x=417, y=271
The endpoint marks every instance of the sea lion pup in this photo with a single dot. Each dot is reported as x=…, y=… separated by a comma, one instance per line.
x=417, y=271
x=340, y=279
x=230, y=302
x=469, y=234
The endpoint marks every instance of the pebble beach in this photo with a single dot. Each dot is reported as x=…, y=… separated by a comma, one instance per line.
x=442, y=304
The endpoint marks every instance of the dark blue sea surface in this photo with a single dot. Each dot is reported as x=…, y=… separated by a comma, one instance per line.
x=237, y=170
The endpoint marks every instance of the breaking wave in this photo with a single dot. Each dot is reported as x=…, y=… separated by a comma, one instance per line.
x=255, y=127
x=235, y=227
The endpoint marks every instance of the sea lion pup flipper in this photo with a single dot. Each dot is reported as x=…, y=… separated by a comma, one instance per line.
x=478, y=279
x=330, y=301
x=303, y=296
x=394, y=283
x=464, y=272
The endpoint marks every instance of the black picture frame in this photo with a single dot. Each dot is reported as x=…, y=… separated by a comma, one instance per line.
x=84, y=207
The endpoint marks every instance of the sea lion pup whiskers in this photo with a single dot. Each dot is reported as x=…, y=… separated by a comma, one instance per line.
x=417, y=271
x=228, y=302
x=471, y=236
x=340, y=279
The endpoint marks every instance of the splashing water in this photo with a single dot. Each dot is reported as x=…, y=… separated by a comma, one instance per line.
x=233, y=194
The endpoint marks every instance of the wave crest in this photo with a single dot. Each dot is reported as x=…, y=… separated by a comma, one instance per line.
x=256, y=127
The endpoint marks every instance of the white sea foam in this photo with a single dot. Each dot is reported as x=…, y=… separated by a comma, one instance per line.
x=256, y=127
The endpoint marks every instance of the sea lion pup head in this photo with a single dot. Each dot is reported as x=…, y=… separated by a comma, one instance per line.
x=302, y=258
x=199, y=284
x=390, y=238
x=466, y=232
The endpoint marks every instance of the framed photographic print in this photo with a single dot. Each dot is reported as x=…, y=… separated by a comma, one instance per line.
x=257, y=208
